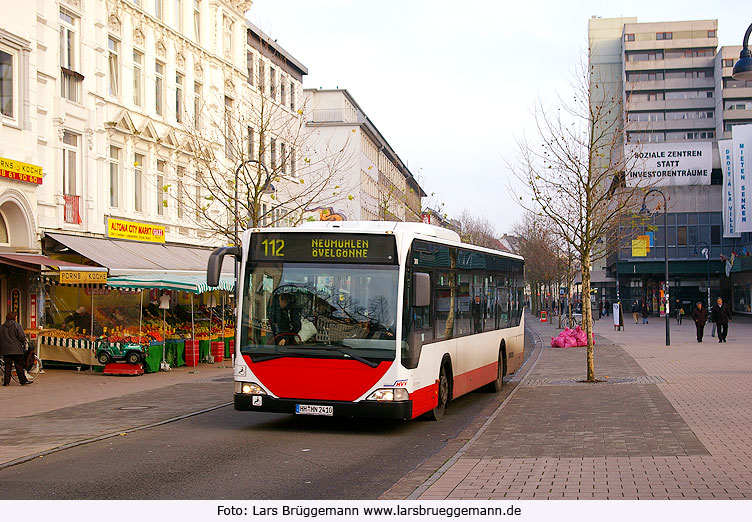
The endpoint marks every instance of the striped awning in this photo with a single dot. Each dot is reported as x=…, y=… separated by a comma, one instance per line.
x=185, y=283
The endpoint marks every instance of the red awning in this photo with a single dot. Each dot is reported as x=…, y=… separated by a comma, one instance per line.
x=34, y=262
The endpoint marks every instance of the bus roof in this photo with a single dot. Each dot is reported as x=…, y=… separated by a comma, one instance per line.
x=419, y=230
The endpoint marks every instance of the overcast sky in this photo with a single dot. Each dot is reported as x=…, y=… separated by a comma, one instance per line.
x=450, y=85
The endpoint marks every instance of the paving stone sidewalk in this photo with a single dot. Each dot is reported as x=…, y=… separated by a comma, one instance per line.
x=660, y=427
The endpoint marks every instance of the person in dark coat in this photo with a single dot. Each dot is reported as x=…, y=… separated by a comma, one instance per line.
x=645, y=313
x=721, y=316
x=700, y=317
x=285, y=321
x=606, y=308
x=12, y=346
x=636, y=312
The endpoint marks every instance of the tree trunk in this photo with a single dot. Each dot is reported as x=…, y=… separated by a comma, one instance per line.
x=587, y=317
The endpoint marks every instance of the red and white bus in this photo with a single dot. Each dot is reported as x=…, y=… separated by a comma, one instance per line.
x=374, y=319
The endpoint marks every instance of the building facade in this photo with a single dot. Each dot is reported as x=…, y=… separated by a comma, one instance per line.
x=378, y=186
x=676, y=91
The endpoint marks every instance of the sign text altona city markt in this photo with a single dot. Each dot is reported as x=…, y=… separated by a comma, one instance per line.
x=121, y=229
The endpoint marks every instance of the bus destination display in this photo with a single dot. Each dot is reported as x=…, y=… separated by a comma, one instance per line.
x=311, y=247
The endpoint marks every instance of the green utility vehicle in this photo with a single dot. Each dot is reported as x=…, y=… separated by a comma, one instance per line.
x=107, y=352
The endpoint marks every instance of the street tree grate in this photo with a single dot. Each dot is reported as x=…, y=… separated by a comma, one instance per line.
x=642, y=379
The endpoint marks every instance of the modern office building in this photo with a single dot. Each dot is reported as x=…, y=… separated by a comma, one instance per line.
x=676, y=92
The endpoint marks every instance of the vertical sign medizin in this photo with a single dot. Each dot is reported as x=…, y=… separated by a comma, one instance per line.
x=742, y=143
x=730, y=217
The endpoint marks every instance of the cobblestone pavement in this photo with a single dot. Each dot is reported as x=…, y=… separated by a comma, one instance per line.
x=668, y=423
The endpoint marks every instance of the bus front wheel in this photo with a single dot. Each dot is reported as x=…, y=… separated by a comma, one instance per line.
x=443, y=392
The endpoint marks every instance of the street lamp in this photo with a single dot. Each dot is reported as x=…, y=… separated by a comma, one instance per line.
x=706, y=252
x=665, y=254
x=743, y=67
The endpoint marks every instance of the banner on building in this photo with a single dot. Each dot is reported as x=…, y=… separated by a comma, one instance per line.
x=730, y=218
x=668, y=164
x=741, y=137
x=20, y=171
x=121, y=229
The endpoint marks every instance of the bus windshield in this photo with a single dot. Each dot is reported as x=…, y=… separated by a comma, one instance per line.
x=319, y=310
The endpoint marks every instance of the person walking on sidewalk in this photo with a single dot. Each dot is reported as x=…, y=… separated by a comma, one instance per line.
x=679, y=314
x=645, y=313
x=12, y=345
x=700, y=317
x=636, y=311
x=721, y=317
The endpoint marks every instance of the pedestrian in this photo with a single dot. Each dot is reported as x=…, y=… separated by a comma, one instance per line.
x=679, y=314
x=700, y=317
x=600, y=309
x=606, y=307
x=636, y=311
x=721, y=316
x=12, y=346
x=645, y=313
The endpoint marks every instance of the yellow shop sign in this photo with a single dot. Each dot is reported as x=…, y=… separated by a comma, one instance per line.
x=17, y=170
x=121, y=229
x=72, y=277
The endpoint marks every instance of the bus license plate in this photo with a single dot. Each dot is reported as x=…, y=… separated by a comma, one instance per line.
x=312, y=409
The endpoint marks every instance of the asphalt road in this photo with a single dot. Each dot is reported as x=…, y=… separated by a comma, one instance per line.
x=226, y=454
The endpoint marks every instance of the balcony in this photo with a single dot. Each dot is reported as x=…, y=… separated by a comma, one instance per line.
x=72, y=209
x=334, y=115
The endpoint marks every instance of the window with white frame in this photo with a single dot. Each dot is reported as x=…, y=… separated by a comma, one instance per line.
x=250, y=138
x=158, y=9
x=114, y=176
x=181, y=190
x=293, y=165
x=197, y=20
x=70, y=162
x=292, y=96
x=227, y=40
x=113, y=46
x=228, y=130
x=273, y=151
x=249, y=65
x=178, y=97
x=158, y=87
x=70, y=80
x=8, y=83
x=283, y=158
x=177, y=15
x=138, y=181
x=161, y=200
x=199, y=203
x=196, y=105
x=272, y=83
x=282, y=92
x=138, y=78
x=68, y=40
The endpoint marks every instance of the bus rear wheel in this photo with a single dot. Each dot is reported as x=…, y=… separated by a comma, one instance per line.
x=443, y=392
x=501, y=370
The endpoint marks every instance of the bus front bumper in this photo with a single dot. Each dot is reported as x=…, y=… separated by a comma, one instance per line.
x=374, y=409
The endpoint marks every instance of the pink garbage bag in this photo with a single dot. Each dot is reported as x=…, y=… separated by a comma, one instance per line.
x=570, y=342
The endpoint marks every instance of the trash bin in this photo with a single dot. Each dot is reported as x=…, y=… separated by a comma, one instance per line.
x=218, y=351
x=191, y=352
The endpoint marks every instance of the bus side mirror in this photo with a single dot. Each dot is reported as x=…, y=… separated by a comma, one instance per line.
x=421, y=289
x=214, y=268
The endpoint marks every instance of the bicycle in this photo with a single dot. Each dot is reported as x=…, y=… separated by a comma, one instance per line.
x=576, y=321
x=30, y=374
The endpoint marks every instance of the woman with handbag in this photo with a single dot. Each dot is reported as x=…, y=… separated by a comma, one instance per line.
x=12, y=345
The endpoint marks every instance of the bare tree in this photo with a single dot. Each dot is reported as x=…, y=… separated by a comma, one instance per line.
x=477, y=230
x=252, y=161
x=574, y=172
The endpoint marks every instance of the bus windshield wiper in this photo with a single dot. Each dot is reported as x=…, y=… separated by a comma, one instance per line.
x=348, y=353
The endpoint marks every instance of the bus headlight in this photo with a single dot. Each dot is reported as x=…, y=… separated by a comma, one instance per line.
x=249, y=388
x=388, y=394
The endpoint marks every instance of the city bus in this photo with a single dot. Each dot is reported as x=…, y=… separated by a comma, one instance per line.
x=370, y=319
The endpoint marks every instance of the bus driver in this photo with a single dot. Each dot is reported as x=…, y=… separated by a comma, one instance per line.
x=285, y=321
